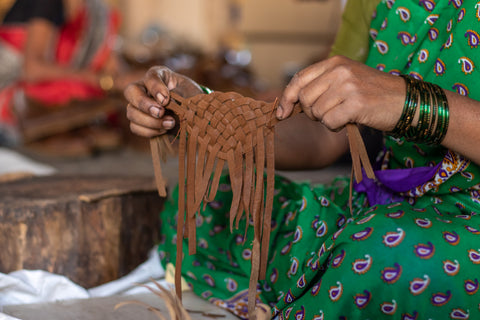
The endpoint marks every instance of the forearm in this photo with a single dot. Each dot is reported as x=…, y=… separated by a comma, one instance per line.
x=38, y=63
x=301, y=143
x=37, y=70
x=463, y=135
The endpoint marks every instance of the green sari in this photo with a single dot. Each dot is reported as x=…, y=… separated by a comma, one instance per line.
x=410, y=249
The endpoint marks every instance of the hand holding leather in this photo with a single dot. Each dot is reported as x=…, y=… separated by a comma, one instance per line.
x=148, y=97
x=338, y=91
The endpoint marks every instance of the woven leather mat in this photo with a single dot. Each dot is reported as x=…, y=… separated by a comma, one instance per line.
x=228, y=128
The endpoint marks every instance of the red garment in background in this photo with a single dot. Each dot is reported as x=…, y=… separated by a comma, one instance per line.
x=57, y=93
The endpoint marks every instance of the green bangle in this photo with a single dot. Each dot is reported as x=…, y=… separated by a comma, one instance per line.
x=412, y=109
x=443, y=116
x=424, y=120
x=409, y=109
x=434, y=114
x=205, y=89
x=434, y=110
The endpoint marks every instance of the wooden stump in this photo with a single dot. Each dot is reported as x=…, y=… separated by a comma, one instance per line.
x=90, y=229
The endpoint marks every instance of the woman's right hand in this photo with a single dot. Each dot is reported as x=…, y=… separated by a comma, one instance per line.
x=148, y=97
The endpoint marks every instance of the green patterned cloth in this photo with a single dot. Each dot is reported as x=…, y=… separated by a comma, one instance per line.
x=408, y=254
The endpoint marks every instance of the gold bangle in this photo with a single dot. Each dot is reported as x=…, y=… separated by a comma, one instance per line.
x=106, y=82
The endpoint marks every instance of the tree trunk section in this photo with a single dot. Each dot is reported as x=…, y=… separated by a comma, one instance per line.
x=90, y=229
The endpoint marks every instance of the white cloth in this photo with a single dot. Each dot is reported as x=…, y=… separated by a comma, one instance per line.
x=150, y=269
x=37, y=286
x=11, y=162
x=4, y=316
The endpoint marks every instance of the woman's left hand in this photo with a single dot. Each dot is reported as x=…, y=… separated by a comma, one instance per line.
x=338, y=91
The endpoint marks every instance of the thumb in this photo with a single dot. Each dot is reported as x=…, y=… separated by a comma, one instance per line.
x=286, y=105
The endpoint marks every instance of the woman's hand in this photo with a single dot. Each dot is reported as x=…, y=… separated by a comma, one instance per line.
x=147, y=100
x=338, y=91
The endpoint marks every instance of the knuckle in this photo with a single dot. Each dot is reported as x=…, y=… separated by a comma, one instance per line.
x=153, y=71
x=337, y=59
x=344, y=71
x=302, y=97
x=329, y=122
x=296, y=79
x=349, y=86
x=290, y=95
x=340, y=60
x=129, y=113
x=134, y=129
x=142, y=105
x=317, y=113
x=288, y=98
x=129, y=91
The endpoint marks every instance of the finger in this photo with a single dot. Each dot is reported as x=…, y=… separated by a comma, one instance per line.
x=145, y=132
x=291, y=93
x=159, y=82
x=138, y=97
x=312, y=93
x=335, y=121
x=143, y=119
x=138, y=117
x=333, y=111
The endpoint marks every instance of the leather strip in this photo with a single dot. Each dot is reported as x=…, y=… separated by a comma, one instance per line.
x=227, y=127
x=181, y=213
x=157, y=168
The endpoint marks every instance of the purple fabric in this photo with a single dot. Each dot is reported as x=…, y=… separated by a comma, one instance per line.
x=391, y=182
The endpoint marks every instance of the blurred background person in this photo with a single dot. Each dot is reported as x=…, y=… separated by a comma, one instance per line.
x=54, y=52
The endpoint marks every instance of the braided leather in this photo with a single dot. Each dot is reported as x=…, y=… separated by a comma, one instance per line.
x=217, y=128
x=227, y=127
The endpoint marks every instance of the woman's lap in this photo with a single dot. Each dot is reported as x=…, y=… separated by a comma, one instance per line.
x=394, y=259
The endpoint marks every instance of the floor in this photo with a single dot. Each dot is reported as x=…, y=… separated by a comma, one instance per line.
x=104, y=309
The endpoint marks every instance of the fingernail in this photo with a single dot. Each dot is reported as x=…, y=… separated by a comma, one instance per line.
x=280, y=112
x=160, y=98
x=154, y=111
x=168, y=124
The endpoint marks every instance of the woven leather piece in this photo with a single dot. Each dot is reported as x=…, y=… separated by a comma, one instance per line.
x=215, y=129
x=227, y=127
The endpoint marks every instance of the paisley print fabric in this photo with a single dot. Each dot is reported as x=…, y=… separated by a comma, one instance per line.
x=416, y=256
x=436, y=41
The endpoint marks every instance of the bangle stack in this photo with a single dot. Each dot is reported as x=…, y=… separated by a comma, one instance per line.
x=433, y=116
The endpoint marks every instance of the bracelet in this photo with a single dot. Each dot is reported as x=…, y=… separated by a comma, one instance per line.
x=419, y=133
x=205, y=89
x=433, y=112
x=444, y=115
x=409, y=109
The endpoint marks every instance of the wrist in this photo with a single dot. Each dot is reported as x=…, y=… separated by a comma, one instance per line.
x=425, y=115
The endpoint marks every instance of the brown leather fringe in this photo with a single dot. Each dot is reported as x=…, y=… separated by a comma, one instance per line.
x=360, y=159
x=227, y=127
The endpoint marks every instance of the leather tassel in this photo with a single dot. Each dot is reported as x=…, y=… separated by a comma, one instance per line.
x=227, y=127
x=181, y=212
x=191, y=187
x=266, y=228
